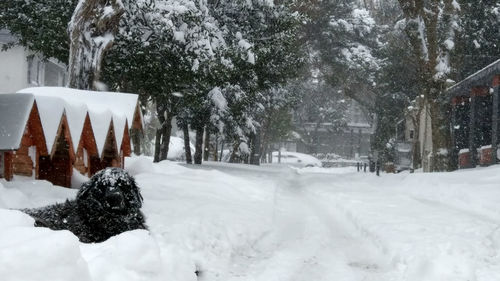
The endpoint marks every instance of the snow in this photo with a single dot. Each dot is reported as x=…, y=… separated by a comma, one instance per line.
x=476, y=44
x=119, y=123
x=51, y=110
x=101, y=121
x=14, y=113
x=102, y=107
x=218, y=99
x=176, y=149
x=239, y=222
x=463, y=150
x=296, y=159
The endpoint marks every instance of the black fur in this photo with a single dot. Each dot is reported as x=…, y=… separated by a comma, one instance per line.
x=107, y=205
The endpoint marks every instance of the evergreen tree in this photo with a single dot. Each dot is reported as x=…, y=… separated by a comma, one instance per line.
x=39, y=25
x=478, y=42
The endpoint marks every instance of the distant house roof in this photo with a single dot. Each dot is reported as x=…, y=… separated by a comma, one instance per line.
x=14, y=113
x=481, y=78
x=6, y=37
x=102, y=107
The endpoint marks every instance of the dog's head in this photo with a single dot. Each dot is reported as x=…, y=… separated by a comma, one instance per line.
x=111, y=198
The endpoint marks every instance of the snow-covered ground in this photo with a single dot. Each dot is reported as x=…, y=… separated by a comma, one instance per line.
x=236, y=222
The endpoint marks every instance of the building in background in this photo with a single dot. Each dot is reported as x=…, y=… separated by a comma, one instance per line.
x=22, y=68
x=350, y=142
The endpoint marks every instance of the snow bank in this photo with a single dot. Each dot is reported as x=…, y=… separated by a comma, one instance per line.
x=29, y=253
x=318, y=170
x=132, y=255
x=239, y=222
x=441, y=226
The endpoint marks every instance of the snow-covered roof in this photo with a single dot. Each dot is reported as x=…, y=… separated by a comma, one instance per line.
x=102, y=107
x=481, y=78
x=14, y=113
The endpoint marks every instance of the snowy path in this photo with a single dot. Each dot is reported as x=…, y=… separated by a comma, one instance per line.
x=309, y=241
x=245, y=223
x=351, y=227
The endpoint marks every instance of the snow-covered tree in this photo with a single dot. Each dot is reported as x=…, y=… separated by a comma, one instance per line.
x=431, y=27
x=163, y=51
x=478, y=42
x=92, y=30
x=266, y=52
x=39, y=25
x=343, y=40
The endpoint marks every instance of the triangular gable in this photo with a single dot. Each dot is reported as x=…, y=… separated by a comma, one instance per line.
x=101, y=122
x=87, y=138
x=36, y=130
x=126, y=145
x=51, y=110
x=110, y=145
x=119, y=123
x=63, y=128
x=15, y=110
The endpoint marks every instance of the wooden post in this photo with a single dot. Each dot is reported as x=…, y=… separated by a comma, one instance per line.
x=472, y=131
x=495, y=118
x=477, y=116
x=454, y=150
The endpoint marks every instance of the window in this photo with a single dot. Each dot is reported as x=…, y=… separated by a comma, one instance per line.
x=39, y=71
x=412, y=134
x=30, y=69
x=35, y=71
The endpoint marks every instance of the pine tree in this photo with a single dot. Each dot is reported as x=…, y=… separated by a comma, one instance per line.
x=41, y=26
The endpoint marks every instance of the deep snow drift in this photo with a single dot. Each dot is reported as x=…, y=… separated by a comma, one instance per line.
x=270, y=223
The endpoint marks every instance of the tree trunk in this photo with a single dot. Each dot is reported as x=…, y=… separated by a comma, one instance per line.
x=221, y=150
x=441, y=138
x=198, y=154
x=166, y=124
x=255, y=149
x=187, y=146
x=416, y=154
x=135, y=135
x=234, y=154
x=427, y=23
x=91, y=32
x=216, y=148
x=157, y=145
x=163, y=133
x=206, y=152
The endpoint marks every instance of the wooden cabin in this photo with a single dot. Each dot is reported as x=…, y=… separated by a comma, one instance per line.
x=92, y=133
x=475, y=104
x=22, y=142
x=48, y=132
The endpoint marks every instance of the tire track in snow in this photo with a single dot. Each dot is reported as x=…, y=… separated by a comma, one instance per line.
x=312, y=242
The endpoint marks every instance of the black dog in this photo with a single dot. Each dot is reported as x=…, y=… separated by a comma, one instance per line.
x=107, y=205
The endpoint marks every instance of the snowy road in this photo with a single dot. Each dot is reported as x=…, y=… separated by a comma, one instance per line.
x=352, y=226
x=309, y=239
x=271, y=223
